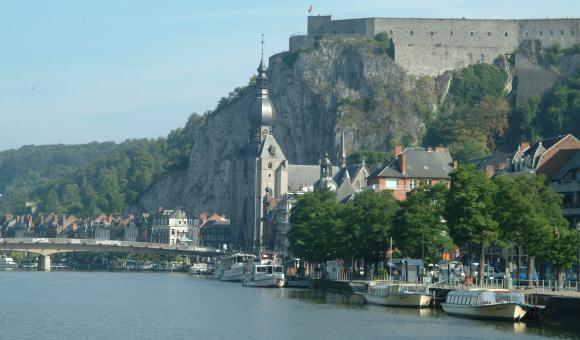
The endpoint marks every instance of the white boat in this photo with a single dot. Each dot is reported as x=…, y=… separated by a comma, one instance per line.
x=264, y=273
x=478, y=303
x=399, y=295
x=7, y=262
x=199, y=269
x=231, y=267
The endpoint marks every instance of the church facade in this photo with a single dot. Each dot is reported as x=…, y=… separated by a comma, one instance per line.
x=262, y=176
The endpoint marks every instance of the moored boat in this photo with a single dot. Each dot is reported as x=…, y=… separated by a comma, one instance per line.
x=264, y=273
x=7, y=262
x=399, y=295
x=231, y=267
x=478, y=303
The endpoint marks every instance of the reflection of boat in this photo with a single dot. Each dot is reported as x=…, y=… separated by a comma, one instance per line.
x=399, y=294
x=231, y=267
x=199, y=269
x=499, y=304
x=264, y=273
x=7, y=262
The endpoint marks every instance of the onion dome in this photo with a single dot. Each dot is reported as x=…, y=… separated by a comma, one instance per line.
x=262, y=112
x=326, y=180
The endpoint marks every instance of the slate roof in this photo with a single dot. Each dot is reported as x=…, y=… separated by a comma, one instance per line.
x=420, y=164
x=304, y=175
x=495, y=160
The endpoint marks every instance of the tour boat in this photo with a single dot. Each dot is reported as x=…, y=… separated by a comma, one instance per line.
x=399, y=295
x=7, y=262
x=231, y=267
x=479, y=303
x=264, y=273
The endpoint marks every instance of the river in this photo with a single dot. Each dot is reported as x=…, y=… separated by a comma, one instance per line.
x=127, y=305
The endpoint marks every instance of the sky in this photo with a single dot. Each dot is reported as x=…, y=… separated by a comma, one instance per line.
x=81, y=71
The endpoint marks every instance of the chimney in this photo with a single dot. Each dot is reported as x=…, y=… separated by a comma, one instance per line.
x=455, y=164
x=404, y=164
x=398, y=149
x=440, y=149
x=524, y=145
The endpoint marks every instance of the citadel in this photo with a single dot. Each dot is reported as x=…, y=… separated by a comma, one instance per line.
x=263, y=179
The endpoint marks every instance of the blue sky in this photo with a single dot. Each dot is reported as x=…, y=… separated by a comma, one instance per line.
x=82, y=71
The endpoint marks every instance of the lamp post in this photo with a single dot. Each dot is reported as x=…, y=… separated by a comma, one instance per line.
x=578, y=258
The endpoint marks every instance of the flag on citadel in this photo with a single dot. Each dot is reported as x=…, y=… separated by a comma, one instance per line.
x=310, y=9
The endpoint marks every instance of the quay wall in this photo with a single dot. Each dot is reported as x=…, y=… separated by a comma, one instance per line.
x=558, y=308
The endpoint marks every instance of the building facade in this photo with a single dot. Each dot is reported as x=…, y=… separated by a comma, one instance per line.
x=412, y=167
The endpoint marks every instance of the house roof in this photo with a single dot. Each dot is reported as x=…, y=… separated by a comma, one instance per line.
x=420, y=164
x=573, y=162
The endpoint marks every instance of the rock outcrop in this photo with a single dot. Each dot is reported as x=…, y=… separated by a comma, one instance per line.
x=348, y=83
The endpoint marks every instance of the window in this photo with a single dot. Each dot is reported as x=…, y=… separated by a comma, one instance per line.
x=471, y=34
x=391, y=32
x=270, y=165
x=411, y=33
x=505, y=34
x=489, y=34
x=562, y=32
x=391, y=184
x=526, y=34
x=431, y=33
x=541, y=32
x=451, y=33
x=551, y=32
x=413, y=184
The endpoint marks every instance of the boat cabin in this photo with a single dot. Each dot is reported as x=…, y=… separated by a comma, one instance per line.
x=390, y=289
x=268, y=269
x=479, y=297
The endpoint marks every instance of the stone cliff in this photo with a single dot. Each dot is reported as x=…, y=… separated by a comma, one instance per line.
x=350, y=83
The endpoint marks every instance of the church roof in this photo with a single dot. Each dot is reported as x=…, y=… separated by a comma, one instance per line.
x=345, y=190
x=304, y=175
x=420, y=164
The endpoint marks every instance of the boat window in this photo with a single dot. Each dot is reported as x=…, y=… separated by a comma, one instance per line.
x=269, y=269
x=261, y=269
x=279, y=269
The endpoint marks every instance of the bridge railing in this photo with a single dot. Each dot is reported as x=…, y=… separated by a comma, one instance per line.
x=96, y=242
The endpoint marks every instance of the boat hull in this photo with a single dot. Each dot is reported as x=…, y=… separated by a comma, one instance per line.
x=400, y=300
x=272, y=282
x=502, y=311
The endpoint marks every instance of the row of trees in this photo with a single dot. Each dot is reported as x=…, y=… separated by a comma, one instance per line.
x=475, y=211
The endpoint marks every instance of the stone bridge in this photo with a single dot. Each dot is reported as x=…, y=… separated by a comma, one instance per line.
x=45, y=247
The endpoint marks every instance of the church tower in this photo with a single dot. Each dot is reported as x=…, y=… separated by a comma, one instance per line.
x=260, y=174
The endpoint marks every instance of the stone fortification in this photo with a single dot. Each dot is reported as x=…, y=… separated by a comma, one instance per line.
x=433, y=46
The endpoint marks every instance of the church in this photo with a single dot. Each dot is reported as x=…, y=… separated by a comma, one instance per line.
x=262, y=177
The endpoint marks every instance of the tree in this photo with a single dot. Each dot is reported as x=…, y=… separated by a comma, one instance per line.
x=561, y=250
x=419, y=226
x=71, y=198
x=368, y=224
x=316, y=220
x=469, y=211
x=526, y=209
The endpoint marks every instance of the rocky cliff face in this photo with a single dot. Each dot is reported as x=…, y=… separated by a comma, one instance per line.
x=348, y=83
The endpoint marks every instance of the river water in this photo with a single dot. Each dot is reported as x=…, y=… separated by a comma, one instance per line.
x=124, y=305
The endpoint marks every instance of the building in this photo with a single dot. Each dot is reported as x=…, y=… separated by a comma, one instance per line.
x=412, y=167
x=171, y=227
x=431, y=46
x=261, y=175
x=216, y=232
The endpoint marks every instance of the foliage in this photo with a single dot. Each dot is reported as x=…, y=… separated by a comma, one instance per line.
x=479, y=119
x=370, y=157
x=470, y=210
x=419, y=227
x=323, y=229
x=384, y=44
x=316, y=220
x=91, y=178
x=367, y=225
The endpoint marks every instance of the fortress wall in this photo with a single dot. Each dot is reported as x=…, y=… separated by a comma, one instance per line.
x=423, y=60
x=348, y=26
x=565, y=32
x=301, y=42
